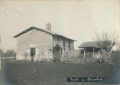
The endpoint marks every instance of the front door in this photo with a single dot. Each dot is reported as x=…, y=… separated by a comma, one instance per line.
x=32, y=53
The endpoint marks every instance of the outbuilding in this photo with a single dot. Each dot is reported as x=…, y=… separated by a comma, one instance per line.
x=91, y=49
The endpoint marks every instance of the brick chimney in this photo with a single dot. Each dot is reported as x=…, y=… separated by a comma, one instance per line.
x=48, y=26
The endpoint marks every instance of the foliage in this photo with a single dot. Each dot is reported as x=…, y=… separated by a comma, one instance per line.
x=56, y=52
x=9, y=52
x=56, y=48
x=106, y=41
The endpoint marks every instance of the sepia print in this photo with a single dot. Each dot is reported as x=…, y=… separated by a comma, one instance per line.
x=60, y=42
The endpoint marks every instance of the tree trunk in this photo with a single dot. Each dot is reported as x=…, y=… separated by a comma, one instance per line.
x=109, y=57
x=103, y=55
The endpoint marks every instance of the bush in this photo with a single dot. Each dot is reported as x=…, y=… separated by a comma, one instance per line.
x=56, y=52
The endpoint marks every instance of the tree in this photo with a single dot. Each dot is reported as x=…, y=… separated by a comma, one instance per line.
x=106, y=41
x=10, y=52
x=56, y=51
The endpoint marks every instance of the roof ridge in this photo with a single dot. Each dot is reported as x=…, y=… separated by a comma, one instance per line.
x=33, y=27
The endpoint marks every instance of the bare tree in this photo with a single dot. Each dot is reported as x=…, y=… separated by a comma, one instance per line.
x=106, y=41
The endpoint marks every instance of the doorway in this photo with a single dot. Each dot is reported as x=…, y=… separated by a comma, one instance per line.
x=32, y=53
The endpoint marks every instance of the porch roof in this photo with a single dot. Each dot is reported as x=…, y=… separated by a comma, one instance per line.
x=93, y=44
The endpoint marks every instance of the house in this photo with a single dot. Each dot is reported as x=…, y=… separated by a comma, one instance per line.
x=37, y=44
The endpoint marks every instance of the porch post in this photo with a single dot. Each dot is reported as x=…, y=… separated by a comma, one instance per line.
x=62, y=54
x=84, y=52
x=102, y=53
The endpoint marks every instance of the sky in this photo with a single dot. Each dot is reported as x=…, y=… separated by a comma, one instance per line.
x=76, y=19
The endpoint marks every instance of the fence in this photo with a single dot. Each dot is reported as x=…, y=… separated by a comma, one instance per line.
x=8, y=58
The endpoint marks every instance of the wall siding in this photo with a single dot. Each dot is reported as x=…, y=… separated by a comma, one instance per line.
x=42, y=42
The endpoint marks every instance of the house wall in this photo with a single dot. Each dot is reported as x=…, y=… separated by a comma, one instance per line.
x=60, y=42
x=65, y=49
x=40, y=40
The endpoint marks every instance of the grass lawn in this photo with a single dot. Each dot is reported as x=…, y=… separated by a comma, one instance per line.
x=50, y=73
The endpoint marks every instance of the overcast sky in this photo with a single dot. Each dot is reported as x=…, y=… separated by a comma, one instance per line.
x=74, y=19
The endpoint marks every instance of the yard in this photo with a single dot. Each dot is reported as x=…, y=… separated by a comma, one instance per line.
x=50, y=73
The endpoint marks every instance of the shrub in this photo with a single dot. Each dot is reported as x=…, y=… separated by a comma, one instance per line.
x=56, y=52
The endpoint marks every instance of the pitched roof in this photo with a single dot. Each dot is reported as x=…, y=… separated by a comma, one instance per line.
x=91, y=44
x=31, y=28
